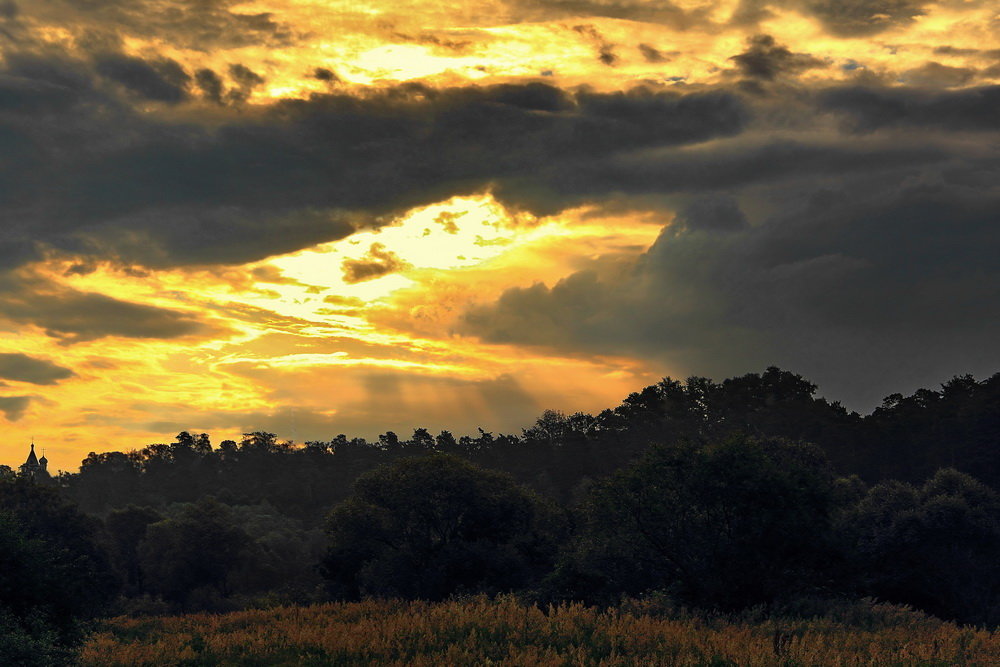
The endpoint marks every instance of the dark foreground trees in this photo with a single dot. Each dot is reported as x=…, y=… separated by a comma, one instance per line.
x=723, y=526
x=31, y=631
x=936, y=546
x=192, y=554
x=721, y=521
x=429, y=526
x=53, y=575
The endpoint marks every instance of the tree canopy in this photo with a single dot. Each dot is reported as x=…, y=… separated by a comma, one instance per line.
x=430, y=526
x=725, y=525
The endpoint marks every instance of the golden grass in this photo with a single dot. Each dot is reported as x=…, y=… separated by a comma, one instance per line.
x=479, y=631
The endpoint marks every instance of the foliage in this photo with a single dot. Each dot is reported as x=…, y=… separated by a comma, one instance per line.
x=274, y=495
x=125, y=529
x=79, y=563
x=729, y=525
x=184, y=556
x=477, y=631
x=426, y=527
x=32, y=642
x=908, y=438
x=53, y=575
x=32, y=631
x=934, y=546
x=280, y=559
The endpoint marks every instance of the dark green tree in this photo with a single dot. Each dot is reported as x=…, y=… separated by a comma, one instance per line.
x=934, y=547
x=33, y=631
x=192, y=553
x=53, y=574
x=724, y=526
x=429, y=526
x=79, y=562
x=422, y=440
x=126, y=528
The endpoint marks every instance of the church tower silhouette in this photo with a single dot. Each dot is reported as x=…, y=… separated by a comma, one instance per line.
x=35, y=468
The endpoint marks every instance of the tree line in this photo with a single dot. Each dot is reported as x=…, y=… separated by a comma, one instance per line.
x=719, y=496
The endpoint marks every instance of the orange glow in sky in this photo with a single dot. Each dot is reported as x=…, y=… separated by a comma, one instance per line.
x=294, y=276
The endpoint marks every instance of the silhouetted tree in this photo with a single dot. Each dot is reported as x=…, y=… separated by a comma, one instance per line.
x=259, y=441
x=389, y=442
x=32, y=631
x=196, y=550
x=53, y=572
x=280, y=556
x=422, y=440
x=727, y=525
x=88, y=582
x=562, y=457
x=909, y=438
x=934, y=547
x=126, y=529
x=429, y=526
x=445, y=442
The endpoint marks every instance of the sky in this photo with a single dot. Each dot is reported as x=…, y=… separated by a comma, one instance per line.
x=314, y=217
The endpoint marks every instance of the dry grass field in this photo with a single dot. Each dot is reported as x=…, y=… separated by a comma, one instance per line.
x=479, y=631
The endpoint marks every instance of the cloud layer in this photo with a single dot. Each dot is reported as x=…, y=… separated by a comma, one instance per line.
x=21, y=367
x=822, y=176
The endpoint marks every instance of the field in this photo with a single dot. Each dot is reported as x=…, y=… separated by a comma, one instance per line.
x=478, y=631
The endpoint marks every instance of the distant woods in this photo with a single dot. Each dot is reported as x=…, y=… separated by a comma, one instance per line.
x=719, y=496
x=907, y=439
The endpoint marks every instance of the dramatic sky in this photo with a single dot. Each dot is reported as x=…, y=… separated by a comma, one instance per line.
x=316, y=217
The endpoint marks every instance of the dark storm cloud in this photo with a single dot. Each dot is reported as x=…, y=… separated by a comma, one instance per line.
x=196, y=24
x=888, y=277
x=853, y=18
x=177, y=235
x=167, y=81
x=843, y=18
x=210, y=84
x=73, y=316
x=720, y=213
x=22, y=368
x=988, y=54
x=936, y=75
x=246, y=81
x=766, y=59
x=739, y=162
x=163, y=81
x=324, y=74
x=297, y=173
x=9, y=9
x=14, y=407
x=86, y=174
x=868, y=108
x=245, y=77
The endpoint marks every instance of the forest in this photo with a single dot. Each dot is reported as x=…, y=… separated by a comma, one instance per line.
x=750, y=495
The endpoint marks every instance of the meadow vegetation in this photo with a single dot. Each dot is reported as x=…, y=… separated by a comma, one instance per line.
x=480, y=631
